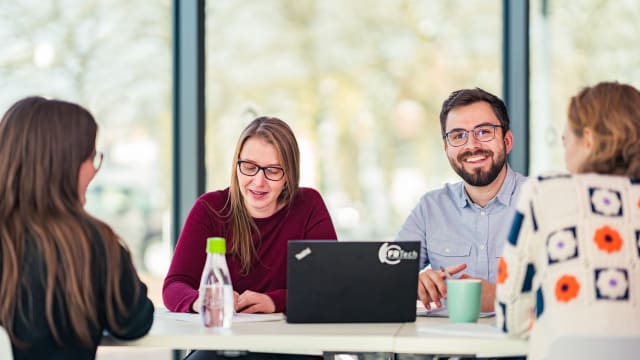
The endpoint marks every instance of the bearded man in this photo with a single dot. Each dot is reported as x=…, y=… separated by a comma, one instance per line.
x=463, y=226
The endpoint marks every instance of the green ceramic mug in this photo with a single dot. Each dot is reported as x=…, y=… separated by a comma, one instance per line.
x=463, y=300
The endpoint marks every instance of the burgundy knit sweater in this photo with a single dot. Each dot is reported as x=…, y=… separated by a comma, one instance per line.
x=306, y=218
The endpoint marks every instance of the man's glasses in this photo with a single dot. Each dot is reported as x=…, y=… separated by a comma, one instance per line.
x=97, y=160
x=483, y=133
x=272, y=173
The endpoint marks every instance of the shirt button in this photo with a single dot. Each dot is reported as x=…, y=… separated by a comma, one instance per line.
x=481, y=247
x=447, y=250
x=483, y=213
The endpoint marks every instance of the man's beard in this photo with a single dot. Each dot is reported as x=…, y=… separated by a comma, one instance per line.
x=479, y=177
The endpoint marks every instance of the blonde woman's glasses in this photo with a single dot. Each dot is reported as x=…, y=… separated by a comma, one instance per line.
x=273, y=173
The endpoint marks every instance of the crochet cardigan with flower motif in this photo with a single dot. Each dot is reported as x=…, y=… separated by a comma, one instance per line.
x=571, y=264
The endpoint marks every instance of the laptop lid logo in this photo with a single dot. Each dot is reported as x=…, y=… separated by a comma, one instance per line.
x=392, y=254
x=303, y=254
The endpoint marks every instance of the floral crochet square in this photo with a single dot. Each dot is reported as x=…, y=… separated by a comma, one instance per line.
x=612, y=284
x=605, y=202
x=562, y=245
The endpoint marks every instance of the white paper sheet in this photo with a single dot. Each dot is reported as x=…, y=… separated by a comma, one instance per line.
x=237, y=318
x=442, y=311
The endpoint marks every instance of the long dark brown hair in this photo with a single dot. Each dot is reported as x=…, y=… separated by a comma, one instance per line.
x=277, y=133
x=43, y=143
x=612, y=112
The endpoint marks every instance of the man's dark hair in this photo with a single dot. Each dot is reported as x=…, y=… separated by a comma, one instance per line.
x=469, y=96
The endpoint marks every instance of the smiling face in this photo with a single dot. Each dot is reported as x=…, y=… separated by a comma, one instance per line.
x=260, y=195
x=478, y=163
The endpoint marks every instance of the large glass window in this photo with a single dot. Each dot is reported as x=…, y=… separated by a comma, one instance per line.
x=361, y=83
x=114, y=58
x=575, y=44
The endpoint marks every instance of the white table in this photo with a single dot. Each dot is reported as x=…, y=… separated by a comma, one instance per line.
x=280, y=337
x=272, y=336
x=430, y=335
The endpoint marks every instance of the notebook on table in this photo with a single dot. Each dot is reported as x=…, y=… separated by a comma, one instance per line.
x=352, y=281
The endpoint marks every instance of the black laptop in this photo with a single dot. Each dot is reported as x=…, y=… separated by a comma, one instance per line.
x=352, y=281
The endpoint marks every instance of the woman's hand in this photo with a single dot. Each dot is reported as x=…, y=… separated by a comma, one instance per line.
x=251, y=302
x=197, y=305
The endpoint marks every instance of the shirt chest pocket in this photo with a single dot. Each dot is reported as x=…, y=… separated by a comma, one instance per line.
x=445, y=250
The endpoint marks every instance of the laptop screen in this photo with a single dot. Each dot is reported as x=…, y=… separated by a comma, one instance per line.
x=352, y=281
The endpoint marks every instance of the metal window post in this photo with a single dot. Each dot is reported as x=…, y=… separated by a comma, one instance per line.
x=515, y=71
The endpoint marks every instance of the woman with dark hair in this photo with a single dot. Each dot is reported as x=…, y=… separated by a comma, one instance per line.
x=571, y=265
x=261, y=210
x=65, y=275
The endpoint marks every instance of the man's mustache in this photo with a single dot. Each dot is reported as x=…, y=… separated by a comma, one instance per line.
x=467, y=154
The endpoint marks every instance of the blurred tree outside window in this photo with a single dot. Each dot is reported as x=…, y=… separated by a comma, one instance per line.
x=114, y=58
x=573, y=45
x=360, y=82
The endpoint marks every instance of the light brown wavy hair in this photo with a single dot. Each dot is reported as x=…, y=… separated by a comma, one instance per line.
x=612, y=112
x=42, y=146
x=277, y=133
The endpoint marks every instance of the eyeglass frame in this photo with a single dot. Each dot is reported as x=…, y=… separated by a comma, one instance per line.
x=100, y=156
x=263, y=168
x=473, y=131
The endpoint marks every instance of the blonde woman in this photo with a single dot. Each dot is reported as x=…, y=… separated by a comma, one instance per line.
x=261, y=210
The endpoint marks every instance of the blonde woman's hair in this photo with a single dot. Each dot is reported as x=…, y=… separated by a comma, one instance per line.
x=277, y=133
x=612, y=113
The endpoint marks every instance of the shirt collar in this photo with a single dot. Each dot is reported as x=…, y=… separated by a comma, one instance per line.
x=503, y=197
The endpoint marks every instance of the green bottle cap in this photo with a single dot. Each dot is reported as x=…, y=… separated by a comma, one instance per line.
x=216, y=245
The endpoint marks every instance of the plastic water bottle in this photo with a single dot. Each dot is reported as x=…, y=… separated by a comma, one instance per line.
x=216, y=291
